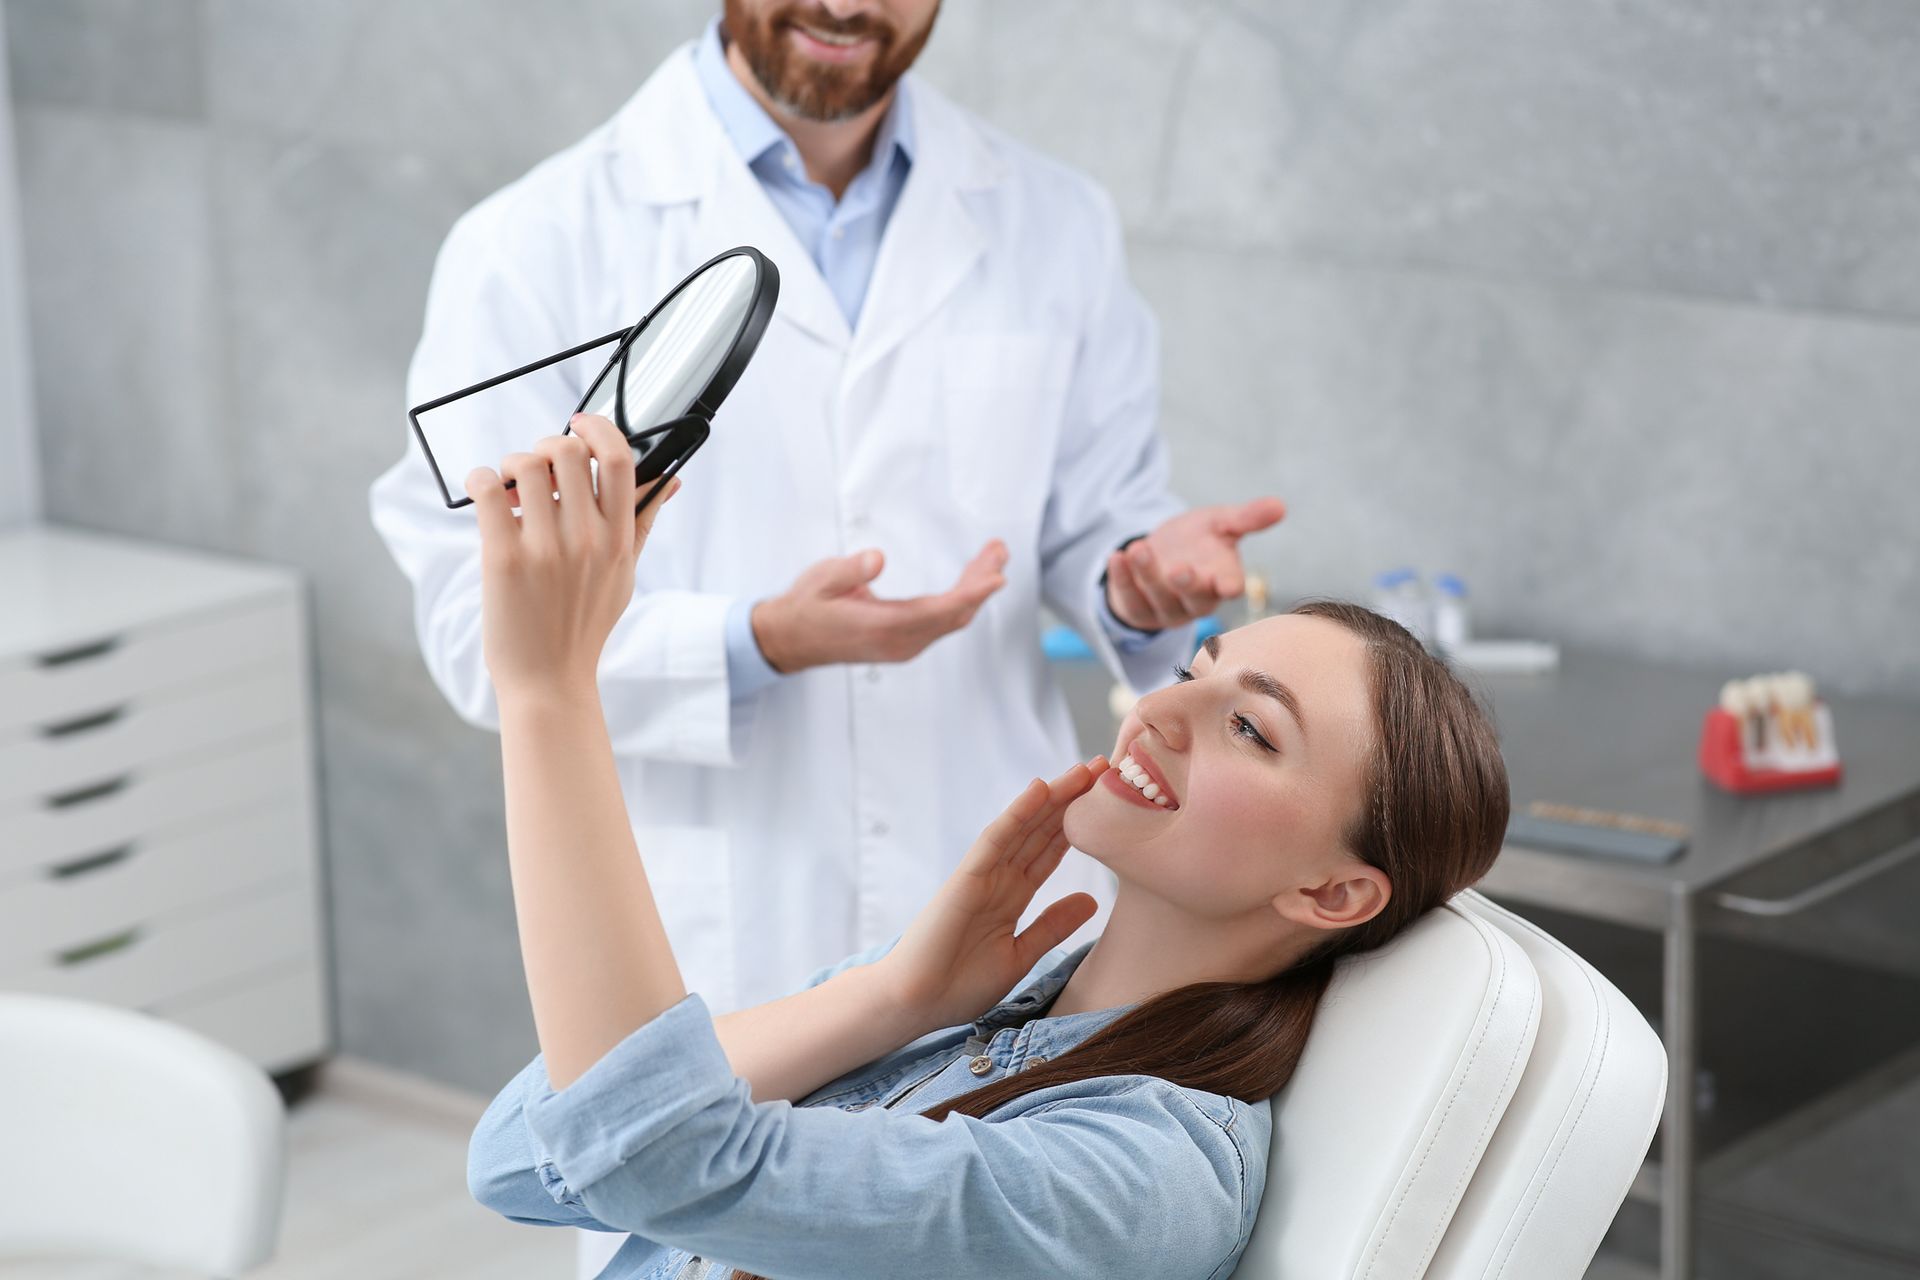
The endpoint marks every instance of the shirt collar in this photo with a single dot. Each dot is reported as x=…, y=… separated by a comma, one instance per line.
x=1043, y=1034
x=754, y=132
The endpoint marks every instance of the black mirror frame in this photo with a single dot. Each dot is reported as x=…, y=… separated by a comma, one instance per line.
x=684, y=435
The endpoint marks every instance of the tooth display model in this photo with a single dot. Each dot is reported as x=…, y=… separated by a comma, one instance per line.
x=1770, y=732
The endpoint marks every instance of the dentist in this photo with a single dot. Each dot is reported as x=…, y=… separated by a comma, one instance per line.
x=949, y=421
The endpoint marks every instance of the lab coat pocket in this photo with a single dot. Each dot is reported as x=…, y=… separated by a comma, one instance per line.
x=692, y=878
x=1004, y=397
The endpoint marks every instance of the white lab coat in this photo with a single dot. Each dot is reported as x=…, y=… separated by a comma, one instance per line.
x=1002, y=382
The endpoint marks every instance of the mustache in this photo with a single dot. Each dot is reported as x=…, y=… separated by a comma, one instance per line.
x=854, y=26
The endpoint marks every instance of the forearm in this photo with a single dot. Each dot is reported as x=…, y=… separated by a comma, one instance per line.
x=787, y=1048
x=597, y=959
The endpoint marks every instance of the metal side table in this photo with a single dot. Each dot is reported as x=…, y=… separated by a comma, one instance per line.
x=1620, y=735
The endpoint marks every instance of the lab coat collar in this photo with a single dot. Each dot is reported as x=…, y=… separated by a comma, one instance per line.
x=932, y=241
x=673, y=150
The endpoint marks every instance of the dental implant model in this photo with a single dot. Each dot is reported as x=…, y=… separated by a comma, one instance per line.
x=1769, y=733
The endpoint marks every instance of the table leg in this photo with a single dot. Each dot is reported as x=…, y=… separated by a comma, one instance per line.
x=1679, y=1028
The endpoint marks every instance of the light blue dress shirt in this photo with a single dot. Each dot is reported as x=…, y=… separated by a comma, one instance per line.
x=1114, y=1176
x=843, y=239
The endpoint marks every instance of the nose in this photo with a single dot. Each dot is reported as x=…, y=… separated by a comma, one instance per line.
x=1167, y=714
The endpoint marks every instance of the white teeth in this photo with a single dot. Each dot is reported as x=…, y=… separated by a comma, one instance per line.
x=1162, y=801
x=1151, y=791
x=824, y=38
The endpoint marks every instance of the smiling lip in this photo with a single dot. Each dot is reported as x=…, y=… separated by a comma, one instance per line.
x=1112, y=781
x=830, y=52
x=1154, y=773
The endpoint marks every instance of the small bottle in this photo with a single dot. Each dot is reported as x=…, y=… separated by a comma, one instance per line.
x=1450, y=619
x=1256, y=597
x=1399, y=594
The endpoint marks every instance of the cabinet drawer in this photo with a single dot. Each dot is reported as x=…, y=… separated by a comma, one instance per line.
x=70, y=756
x=148, y=965
x=154, y=802
x=144, y=883
x=278, y=1018
x=52, y=687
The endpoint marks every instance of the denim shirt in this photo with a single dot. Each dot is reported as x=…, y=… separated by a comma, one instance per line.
x=1117, y=1175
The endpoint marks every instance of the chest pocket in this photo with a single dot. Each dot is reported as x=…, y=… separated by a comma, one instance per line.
x=1004, y=396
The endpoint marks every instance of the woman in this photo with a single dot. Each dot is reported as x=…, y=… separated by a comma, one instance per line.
x=1310, y=787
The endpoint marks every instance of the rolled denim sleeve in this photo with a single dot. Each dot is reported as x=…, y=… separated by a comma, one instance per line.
x=661, y=1139
x=503, y=1164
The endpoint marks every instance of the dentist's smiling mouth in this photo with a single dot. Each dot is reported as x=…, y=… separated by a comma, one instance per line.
x=1138, y=779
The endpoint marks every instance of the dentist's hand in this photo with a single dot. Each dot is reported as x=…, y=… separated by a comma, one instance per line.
x=829, y=615
x=1186, y=567
x=961, y=953
x=554, y=580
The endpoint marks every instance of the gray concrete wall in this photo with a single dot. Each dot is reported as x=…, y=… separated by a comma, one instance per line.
x=1613, y=308
x=19, y=442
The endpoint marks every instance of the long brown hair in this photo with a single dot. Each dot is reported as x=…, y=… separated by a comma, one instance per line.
x=1434, y=817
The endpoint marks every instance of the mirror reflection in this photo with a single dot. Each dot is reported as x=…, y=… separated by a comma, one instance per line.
x=673, y=359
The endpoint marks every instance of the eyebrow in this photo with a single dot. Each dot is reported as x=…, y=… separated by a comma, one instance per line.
x=1255, y=681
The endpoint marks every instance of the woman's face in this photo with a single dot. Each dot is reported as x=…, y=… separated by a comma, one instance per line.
x=1260, y=758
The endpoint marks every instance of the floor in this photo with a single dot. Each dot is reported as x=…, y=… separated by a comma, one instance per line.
x=377, y=1191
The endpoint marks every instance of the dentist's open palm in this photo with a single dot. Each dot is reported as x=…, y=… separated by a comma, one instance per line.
x=555, y=579
x=961, y=954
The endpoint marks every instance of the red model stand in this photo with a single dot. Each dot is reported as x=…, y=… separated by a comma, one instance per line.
x=1722, y=760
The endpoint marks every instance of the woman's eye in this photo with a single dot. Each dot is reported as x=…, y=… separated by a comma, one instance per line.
x=1182, y=674
x=1246, y=729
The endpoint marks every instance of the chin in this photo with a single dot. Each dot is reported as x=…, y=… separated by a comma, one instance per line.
x=1091, y=828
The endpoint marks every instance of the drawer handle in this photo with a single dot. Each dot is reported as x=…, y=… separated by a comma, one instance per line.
x=92, y=862
x=94, y=950
x=80, y=652
x=98, y=720
x=95, y=791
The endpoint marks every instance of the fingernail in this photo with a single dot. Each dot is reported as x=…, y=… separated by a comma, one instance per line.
x=869, y=561
x=575, y=418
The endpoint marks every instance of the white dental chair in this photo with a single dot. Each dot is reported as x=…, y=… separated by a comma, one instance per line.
x=128, y=1138
x=1473, y=1103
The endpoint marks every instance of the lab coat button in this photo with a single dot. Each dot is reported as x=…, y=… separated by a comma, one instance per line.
x=877, y=827
x=873, y=675
x=980, y=1065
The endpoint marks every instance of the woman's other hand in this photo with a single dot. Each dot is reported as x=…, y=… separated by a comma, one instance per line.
x=961, y=953
x=556, y=578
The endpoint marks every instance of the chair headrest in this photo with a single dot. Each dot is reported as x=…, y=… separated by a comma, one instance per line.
x=1415, y=1052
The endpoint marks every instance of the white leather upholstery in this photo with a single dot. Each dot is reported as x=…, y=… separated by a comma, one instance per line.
x=134, y=1139
x=1414, y=1053
x=1574, y=1135
x=1473, y=1102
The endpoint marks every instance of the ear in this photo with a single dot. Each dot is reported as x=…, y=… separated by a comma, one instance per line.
x=1354, y=894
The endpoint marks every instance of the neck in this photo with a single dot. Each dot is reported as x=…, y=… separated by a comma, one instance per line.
x=834, y=151
x=1150, y=947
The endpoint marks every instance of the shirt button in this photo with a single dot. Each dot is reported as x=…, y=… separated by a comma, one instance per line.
x=839, y=233
x=980, y=1065
x=873, y=675
x=877, y=827
x=1035, y=1061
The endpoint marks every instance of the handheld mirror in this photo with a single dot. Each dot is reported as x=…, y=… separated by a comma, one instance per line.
x=666, y=377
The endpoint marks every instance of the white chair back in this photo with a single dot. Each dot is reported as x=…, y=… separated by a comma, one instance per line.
x=1575, y=1133
x=1414, y=1053
x=1472, y=1105
x=133, y=1139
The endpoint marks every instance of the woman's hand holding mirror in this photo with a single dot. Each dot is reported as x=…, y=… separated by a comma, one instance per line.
x=555, y=579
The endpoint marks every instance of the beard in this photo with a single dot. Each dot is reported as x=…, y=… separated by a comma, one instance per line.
x=815, y=90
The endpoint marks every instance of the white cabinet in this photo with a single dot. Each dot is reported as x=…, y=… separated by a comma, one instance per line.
x=157, y=807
